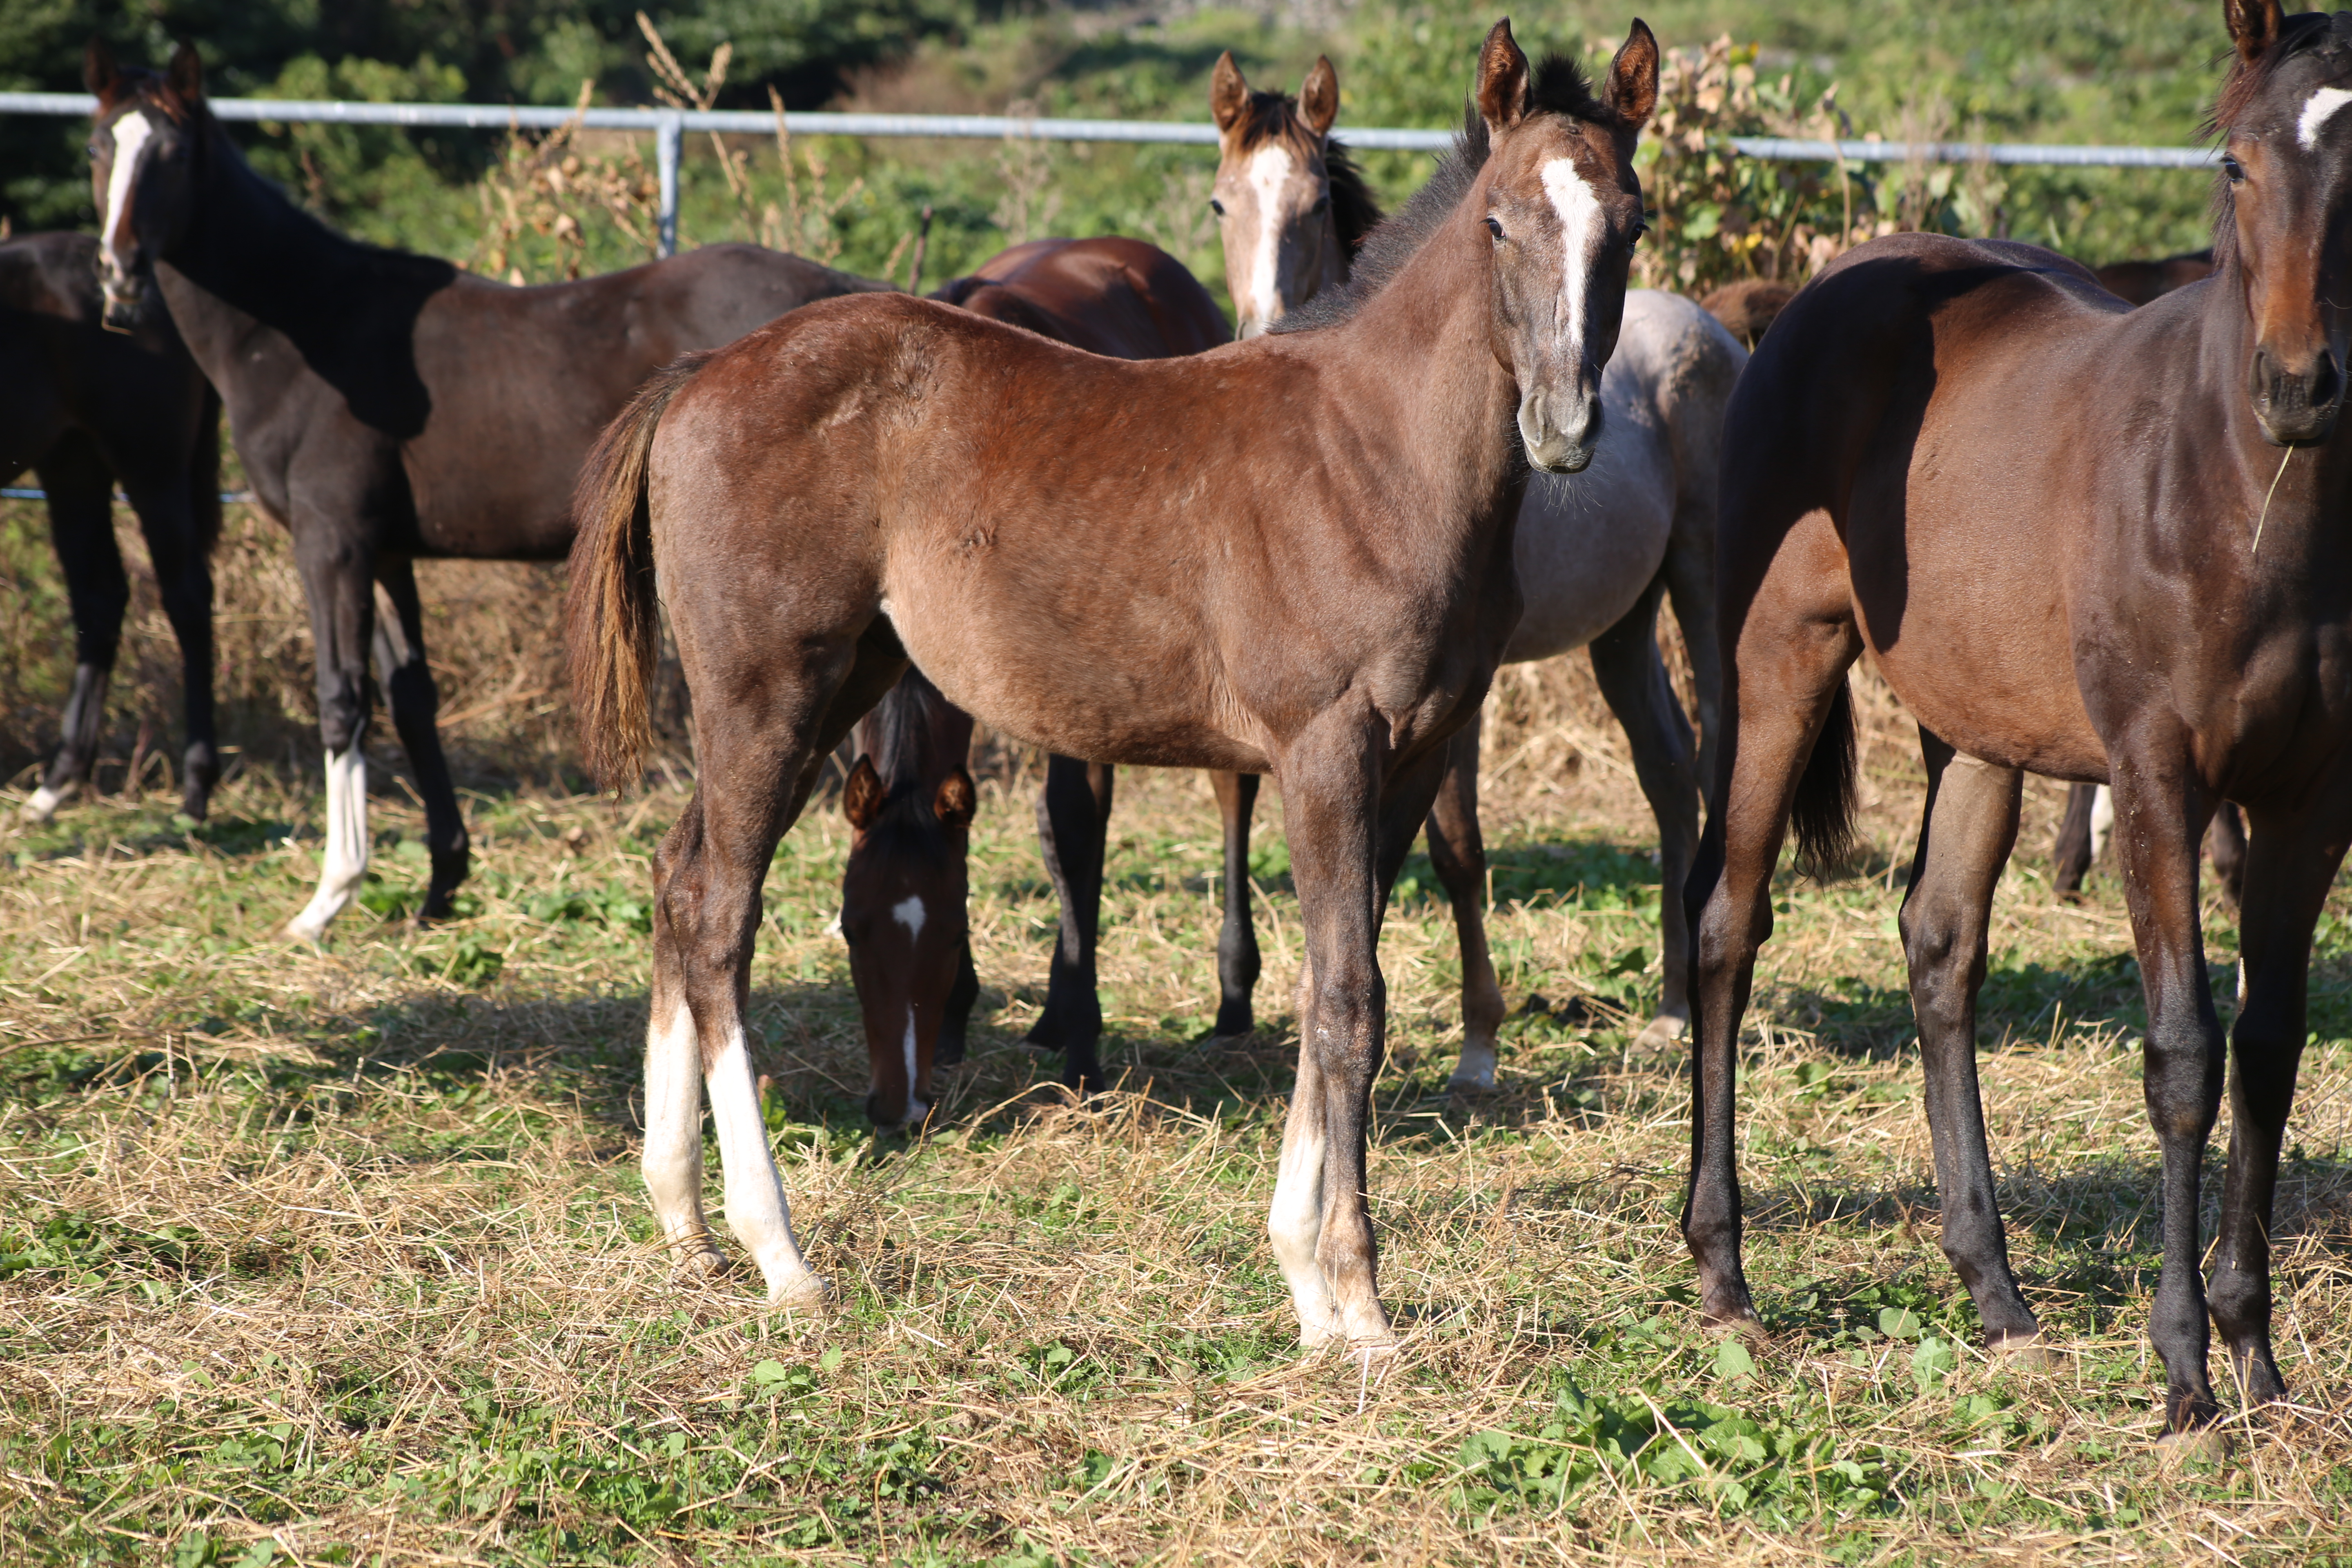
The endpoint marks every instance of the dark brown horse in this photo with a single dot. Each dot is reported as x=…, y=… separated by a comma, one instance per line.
x=85, y=407
x=903, y=891
x=1287, y=556
x=2081, y=541
x=388, y=406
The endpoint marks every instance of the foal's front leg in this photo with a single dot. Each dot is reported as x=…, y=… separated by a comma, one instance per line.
x=2160, y=823
x=2290, y=865
x=81, y=527
x=1237, y=954
x=1457, y=851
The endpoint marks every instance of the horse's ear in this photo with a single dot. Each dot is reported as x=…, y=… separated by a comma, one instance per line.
x=2254, y=26
x=1319, y=97
x=185, y=75
x=861, y=798
x=1502, y=79
x=98, y=72
x=1633, y=89
x=956, y=801
x=1228, y=94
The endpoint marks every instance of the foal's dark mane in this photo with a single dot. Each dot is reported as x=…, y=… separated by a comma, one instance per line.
x=1355, y=211
x=1557, y=86
x=901, y=727
x=2312, y=33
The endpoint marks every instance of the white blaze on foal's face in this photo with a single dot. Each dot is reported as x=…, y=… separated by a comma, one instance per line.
x=130, y=134
x=2317, y=110
x=1583, y=229
x=1269, y=171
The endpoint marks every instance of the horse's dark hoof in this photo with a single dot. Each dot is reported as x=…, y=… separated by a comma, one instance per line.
x=1235, y=1021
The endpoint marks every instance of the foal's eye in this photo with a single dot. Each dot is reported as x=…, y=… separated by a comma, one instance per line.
x=1640, y=228
x=95, y=152
x=2235, y=171
x=1216, y=206
x=1322, y=204
x=1494, y=227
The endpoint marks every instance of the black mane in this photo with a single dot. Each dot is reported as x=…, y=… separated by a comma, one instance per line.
x=1557, y=86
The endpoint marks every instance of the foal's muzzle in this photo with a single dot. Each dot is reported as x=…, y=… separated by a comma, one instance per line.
x=2297, y=406
x=1561, y=430
x=123, y=296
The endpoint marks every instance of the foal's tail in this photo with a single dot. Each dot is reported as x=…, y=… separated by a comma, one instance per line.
x=1823, y=815
x=612, y=627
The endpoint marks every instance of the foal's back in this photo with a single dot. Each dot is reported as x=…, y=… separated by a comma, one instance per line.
x=1928, y=439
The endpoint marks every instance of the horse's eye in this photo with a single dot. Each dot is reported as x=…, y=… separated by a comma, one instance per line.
x=1494, y=227
x=1322, y=204
x=1640, y=228
x=2235, y=171
x=95, y=152
x=1216, y=206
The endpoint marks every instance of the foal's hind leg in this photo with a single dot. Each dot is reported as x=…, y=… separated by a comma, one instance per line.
x=1970, y=827
x=408, y=686
x=184, y=580
x=761, y=744
x=1634, y=679
x=1237, y=954
x=1072, y=822
x=82, y=526
x=1458, y=853
x=2289, y=867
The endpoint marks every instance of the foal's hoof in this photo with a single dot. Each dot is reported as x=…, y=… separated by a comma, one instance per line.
x=699, y=1267
x=2026, y=1353
x=45, y=802
x=1474, y=1073
x=1663, y=1030
x=2196, y=1446
x=803, y=1293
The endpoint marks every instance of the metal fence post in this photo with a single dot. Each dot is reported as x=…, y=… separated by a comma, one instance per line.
x=670, y=141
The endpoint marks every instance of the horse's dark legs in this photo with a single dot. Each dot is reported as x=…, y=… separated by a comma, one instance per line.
x=1457, y=851
x=1340, y=829
x=1965, y=837
x=339, y=585
x=2289, y=868
x=82, y=526
x=2072, y=857
x=2160, y=821
x=1073, y=820
x=1781, y=693
x=184, y=578
x=409, y=689
x=1634, y=679
x=1238, y=955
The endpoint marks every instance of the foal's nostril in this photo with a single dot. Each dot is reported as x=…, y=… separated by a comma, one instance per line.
x=2327, y=382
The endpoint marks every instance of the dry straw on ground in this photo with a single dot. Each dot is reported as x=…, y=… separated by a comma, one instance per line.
x=340, y=1256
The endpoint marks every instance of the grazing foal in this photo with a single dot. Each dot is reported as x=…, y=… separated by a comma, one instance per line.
x=2080, y=541
x=387, y=406
x=82, y=405
x=1289, y=555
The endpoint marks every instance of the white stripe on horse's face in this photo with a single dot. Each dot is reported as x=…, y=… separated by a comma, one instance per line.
x=1583, y=230
x=916, y=1108
x=130, y=133
x=1269, y=172
x=2317, y=110
x=909, y=912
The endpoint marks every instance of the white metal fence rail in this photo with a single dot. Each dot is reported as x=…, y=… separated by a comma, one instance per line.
x=670, y=127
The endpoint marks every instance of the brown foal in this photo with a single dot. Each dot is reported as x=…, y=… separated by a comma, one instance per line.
x=1290, y=555
x=2084, y=542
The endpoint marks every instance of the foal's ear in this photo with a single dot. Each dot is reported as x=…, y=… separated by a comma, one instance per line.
x=1633, y=89
x=957, y=801
x=1318, y=97
x=2254, y=26
x=185, y=75
x=1502, y=79
x=1228, y=94
x=861, y=798
x=98, y=72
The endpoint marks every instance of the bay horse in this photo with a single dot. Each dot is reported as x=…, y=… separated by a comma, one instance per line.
x=2085, y=542
x=388, y=406
x=908, y=799
x=86, y=407
x=1596, y=552
x=1290, y=555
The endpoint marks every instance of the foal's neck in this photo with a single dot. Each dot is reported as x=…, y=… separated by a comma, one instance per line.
x=2296, y=496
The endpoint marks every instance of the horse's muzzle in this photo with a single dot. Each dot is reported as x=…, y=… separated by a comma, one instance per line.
x=2297, y=406
x=1560, y=433
x=122, y=302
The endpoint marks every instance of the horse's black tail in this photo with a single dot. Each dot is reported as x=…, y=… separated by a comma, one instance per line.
x=1826, y=791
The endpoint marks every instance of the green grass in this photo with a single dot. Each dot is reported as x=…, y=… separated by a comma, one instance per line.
x=341, y=1257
